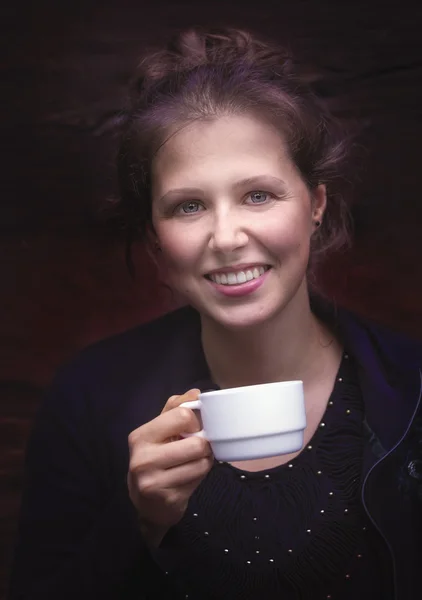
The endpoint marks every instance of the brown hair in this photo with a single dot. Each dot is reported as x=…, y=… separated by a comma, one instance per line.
x=203, y=75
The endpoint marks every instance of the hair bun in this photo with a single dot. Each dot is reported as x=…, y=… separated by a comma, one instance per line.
x=225, y=45
x=195, y=47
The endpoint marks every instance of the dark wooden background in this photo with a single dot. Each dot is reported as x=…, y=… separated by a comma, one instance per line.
x=65, y=66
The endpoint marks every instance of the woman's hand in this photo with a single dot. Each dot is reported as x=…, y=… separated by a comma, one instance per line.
x=165, y=470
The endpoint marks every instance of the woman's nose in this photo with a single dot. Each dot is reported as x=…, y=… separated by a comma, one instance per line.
x=226, y=236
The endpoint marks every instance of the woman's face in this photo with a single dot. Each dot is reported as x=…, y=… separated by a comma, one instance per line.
x=226, y=196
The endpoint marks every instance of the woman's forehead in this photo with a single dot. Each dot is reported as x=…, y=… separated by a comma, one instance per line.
x=237, y=146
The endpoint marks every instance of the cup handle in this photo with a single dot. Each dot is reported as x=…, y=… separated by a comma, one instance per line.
x=193, y=405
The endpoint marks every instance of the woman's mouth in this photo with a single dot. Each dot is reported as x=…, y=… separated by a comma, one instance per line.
x=239, y=283
x=238, y=277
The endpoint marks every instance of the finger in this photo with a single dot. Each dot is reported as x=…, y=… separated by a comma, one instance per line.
x=171, y=403
x=186, y=476
x=181, y=476
x=147, y=457
x=168, y=424
x=178, y=399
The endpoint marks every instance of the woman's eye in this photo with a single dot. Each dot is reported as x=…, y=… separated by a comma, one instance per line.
x=192, y=207
x=188, y=208
x=259, y=197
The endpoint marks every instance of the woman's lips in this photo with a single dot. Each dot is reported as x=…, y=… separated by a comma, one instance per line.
x=239, y=289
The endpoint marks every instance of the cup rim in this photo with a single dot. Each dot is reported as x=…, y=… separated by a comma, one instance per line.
x=230, y=391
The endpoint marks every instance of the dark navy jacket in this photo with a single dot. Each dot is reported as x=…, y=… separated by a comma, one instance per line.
x=79, y=536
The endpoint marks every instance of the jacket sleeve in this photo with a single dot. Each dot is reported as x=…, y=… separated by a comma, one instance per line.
x=78, y=535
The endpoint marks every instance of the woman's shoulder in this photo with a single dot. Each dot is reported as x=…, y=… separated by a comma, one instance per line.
x=396, y=345
x=141, y=344
x=151, y=358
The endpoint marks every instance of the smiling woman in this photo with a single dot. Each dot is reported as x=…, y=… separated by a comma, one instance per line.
x=225, y=230
x=229, y=166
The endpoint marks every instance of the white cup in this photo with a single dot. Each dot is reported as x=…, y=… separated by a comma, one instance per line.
x=250, y=422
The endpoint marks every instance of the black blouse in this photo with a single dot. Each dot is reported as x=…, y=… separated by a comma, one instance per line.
x=297, y=531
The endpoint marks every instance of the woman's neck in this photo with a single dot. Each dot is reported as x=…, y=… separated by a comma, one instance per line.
x=294, y=345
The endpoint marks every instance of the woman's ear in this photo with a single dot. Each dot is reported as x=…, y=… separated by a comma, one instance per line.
x=152, y=244
x=319, y=202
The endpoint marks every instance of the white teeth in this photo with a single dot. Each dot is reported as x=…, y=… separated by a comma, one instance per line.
x=238, y=277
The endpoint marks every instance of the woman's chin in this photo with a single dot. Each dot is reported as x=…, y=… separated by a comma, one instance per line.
x=239, y=318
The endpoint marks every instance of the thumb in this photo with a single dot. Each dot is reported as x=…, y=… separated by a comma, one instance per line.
x=177, y=400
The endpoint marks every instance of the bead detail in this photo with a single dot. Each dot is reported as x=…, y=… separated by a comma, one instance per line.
x=330, y=403
x=290, y=551
x=248, y=562
x=346, y=510
x=267, y=476
x=347, y=576
x=359, y=556
x=243, y=477
x=319, y=472
x=322, y=511
x=290, y=466
x=256, y=551
x=257, y=537
x=348, y=411
x=309, y=447
x=206, y=533
x=340, y=379
x=271, y=560
x=226, y=550
x=195, y=514
x=322, y=424
x=331, y=494
x=308, y=531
